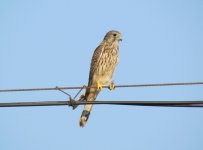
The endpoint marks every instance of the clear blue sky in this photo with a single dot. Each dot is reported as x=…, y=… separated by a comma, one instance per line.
x=50, y=43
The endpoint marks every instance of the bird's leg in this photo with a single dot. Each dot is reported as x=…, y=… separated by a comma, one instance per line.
x=111, y=85
x=99, y=86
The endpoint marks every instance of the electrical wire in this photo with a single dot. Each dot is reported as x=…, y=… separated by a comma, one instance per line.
x=130, y=103
x=72, y=102
x=116, y=86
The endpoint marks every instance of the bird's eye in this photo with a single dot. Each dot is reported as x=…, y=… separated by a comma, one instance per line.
x=114, y=34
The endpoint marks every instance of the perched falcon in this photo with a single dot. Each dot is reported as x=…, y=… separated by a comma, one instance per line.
x=104, y=61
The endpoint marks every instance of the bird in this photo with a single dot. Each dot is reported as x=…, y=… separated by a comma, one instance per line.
x=104, y=61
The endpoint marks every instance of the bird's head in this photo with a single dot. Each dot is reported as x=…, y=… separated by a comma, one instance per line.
x=113, y=36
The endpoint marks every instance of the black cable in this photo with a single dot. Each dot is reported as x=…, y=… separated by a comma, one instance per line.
x=131, y=103
x=116, y=86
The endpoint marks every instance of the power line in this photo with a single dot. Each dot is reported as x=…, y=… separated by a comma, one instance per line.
x=116, y=86
x=131, y=103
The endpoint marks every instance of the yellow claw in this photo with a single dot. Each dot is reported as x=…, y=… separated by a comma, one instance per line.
x=111, y=86
x=99, y=86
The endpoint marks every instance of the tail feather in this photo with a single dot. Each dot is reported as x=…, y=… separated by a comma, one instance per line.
x=90, y=96
x=84, y=117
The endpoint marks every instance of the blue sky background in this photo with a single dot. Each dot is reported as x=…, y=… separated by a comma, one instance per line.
x=50, y=43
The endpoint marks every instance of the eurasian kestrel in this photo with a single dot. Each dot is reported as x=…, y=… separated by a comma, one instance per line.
x=104, y=61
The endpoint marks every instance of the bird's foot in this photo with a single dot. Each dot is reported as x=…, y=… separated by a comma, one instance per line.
x=99, y=86
x=111, y=86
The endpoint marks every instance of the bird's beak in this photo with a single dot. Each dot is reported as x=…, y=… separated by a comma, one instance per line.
x=120, y=38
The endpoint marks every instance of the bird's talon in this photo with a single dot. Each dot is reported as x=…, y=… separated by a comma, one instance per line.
x=111, y=86
x=99, y=86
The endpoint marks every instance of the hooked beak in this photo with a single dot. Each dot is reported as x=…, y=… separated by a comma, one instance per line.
x=120, y=38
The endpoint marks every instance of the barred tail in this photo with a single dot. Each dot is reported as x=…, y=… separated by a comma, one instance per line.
x=84, y=117
x=88, y=107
